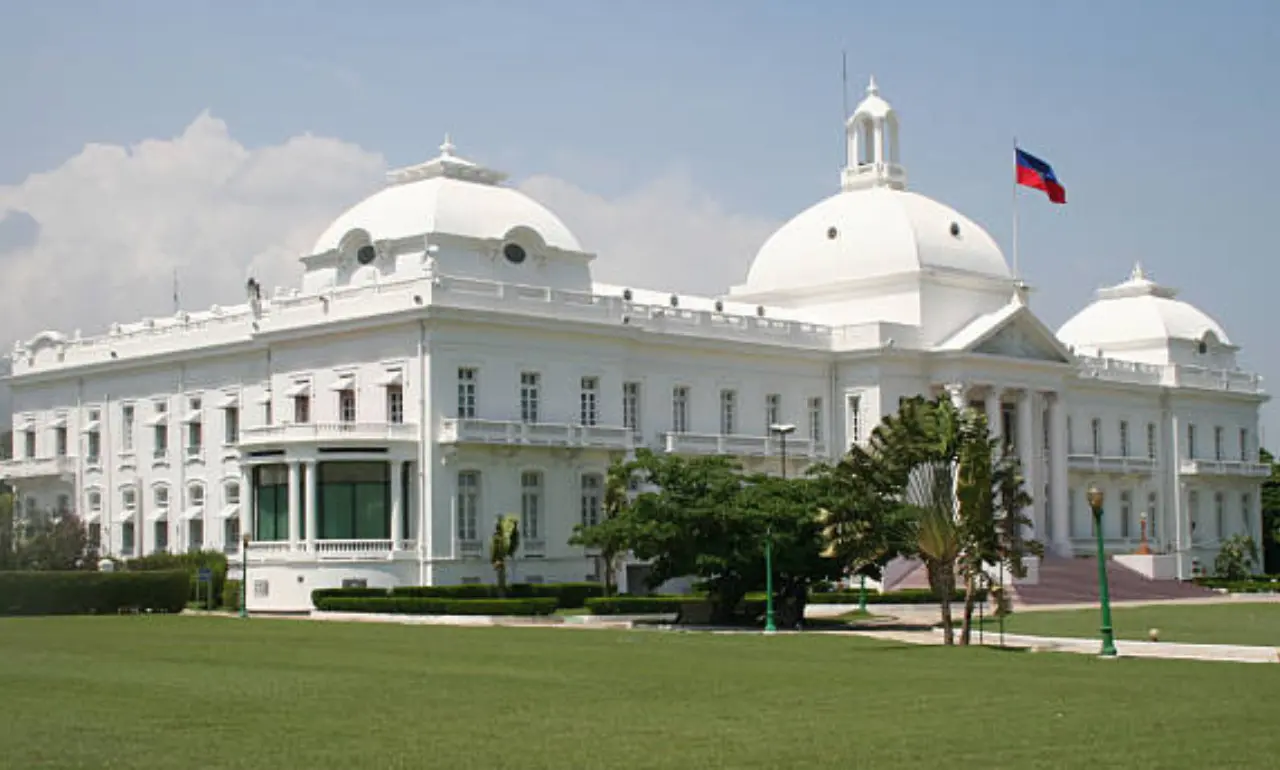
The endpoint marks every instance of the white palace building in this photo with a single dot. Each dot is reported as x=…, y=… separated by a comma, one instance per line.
x=448, y=358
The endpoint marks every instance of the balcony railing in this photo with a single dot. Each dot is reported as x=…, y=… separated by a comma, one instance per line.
x=514, y=432
x=37, y=467
x=739, y=446
x=328, y=432
x=1110, y=463
x=1245, y=468
x=535, y=547
x=470, y=549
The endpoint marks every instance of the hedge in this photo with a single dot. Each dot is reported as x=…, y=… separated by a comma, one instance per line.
x=1262, y=584
x=191, y=562
x=567, y=595
x=90, y=593
x=904, y=596
x=413, y=605
x=231, y=595
x=637, y=605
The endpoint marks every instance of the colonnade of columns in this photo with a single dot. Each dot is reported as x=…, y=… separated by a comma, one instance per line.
x=1049, y=510
x=302, y=498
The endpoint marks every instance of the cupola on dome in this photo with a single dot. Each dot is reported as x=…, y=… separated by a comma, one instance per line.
x=447, y=195
x=874, y=226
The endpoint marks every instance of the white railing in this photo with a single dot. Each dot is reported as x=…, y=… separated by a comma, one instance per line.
x=1110, y=463
x=1225, y=468
x=329, y=431
x=1173, y=375
x=1236, y=381
x=741, y=446
x=37, y=467
x=350, y=548
x=479, y=431
x=533, y=547
x=470, y=549
x=268, y=547
x=1120, y=371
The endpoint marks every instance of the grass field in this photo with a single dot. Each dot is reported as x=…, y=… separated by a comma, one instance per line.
x=214, y=693
x=1255, y=623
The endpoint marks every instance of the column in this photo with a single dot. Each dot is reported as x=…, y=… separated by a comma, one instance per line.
x=995, y=425
x=310, y=492
x=1027, y=448
x=295, y=487
x=956, y=391
x=1058, y=453
x=397, y=504
x=246, y=502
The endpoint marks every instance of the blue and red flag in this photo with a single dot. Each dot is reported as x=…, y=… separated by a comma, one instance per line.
x=1033, y=172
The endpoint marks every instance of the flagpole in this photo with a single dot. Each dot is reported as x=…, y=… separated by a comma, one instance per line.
x=844, y=107
x=1016, y=272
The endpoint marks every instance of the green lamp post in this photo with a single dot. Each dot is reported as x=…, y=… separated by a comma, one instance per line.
x=1104, y=596
x=244, y=577
x=783, y=430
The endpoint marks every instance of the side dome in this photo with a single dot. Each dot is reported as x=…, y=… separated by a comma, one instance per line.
x=1139, y=312
x=447, y=195
x=869, y=232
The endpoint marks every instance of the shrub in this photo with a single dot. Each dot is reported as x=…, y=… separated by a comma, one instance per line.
x=904, y=596
x=90, y=593
x=1261, y=584
x=415, y=605
x=636, y=605
x=1236, y=559
x=191, y=562
x=231, y=595
x=567, y=595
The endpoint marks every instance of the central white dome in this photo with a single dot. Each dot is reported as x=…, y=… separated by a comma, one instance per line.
x=447, y=195
x=869, y=232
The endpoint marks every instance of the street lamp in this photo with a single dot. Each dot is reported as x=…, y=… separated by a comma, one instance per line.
x=1144, y=549
x=1104, y=598
x=244, y=576
x=783, y=430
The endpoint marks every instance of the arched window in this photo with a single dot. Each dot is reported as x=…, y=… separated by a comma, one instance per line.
x=95, y=500
x=592, y=499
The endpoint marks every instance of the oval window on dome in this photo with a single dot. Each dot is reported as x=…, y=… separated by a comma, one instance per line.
x=366, y=255
x=514, y=253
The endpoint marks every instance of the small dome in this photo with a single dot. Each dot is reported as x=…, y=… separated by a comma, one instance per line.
x=447, y=195
x=1138, y=310
x=869, y=232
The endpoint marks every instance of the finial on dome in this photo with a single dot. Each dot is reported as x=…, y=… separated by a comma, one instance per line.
x=447, y=148
x=1138, y=274
x=872, y=90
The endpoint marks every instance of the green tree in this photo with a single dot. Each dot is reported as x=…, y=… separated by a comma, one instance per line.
x=1237, y=558
x=1271, y=514
x=48, y=541
x=6, y=530
x=611, y=536
x=502, y=548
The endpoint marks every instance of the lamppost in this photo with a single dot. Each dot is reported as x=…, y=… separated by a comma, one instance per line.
x=1104, y=598
x=783, y=430
x=244, y=576
x=1143, y=548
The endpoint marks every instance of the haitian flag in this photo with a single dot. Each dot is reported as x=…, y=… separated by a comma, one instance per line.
x=1033, y=172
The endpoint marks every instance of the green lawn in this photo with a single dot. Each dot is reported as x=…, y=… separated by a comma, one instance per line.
x=214, y=693
x=1243, y=623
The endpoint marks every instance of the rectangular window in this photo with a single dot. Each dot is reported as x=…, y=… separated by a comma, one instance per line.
x=1246, y=513
x=231, y=425
x=1124, y=438
x=1191, y=441
x=231, y=534
x=854, y=404
x=1219, y=515
x=592, y=494
x=60, y=441
x=302, y=408
x=1126, y=514
x=126, y=427
x=347, y=405
x=95, y=500
x=353, y=501
x=395, y=404
x=64, y=504
x=94, y=448
x=129, y=498
x=631, y=405
x=815, y=419
x=29, y=444
x=772, y=412
x=1244, y=445
x=466, y=393
x=1096, y=428
x=126, y=539
x=195, y=535
x=728, y=412
x=95, y=535
x=160, y=497
x=468, y=506
x=161, y=535
x=680, y=409
x=1217, y=442
x=1151, y=441
x=1193, y=515
x=531, y=505
x=161, y=438
x=589, y=401
x=271, y=502
x=530, y=396
x=195, y=427
x=267, y=415
x=1152, y=514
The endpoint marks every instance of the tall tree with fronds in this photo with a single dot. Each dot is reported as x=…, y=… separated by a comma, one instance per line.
x=932, y=500
x=502, y=548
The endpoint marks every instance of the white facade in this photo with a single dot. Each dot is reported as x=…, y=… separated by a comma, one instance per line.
x=449, y=359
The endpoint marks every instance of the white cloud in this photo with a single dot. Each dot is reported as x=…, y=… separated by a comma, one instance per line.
x=666, y=234
x=112, y=223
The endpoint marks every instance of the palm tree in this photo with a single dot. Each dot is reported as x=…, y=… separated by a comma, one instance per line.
x=502, y=548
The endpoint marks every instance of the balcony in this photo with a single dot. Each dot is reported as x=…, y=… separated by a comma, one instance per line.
x=534, y=549
x=1240, y=468
x=516, y=433
x=330, y=550
x=327, y=433
x=1110, y=464
x=37, y=467
x=739, y=446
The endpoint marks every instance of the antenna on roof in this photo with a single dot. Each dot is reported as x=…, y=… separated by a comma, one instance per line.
x=176, y=304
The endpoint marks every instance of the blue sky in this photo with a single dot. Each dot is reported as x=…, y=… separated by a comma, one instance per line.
x=1158, y=117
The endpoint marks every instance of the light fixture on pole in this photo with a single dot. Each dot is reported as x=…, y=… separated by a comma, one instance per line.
x=783, y=430
x=1144, y=549
x=1104, y=597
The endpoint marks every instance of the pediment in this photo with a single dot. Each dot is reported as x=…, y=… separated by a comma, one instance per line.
x=1018, y=337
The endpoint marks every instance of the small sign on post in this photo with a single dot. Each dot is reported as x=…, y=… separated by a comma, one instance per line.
x=205, y=576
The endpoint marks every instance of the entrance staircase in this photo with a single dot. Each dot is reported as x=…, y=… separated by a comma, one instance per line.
x=1065, y=580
